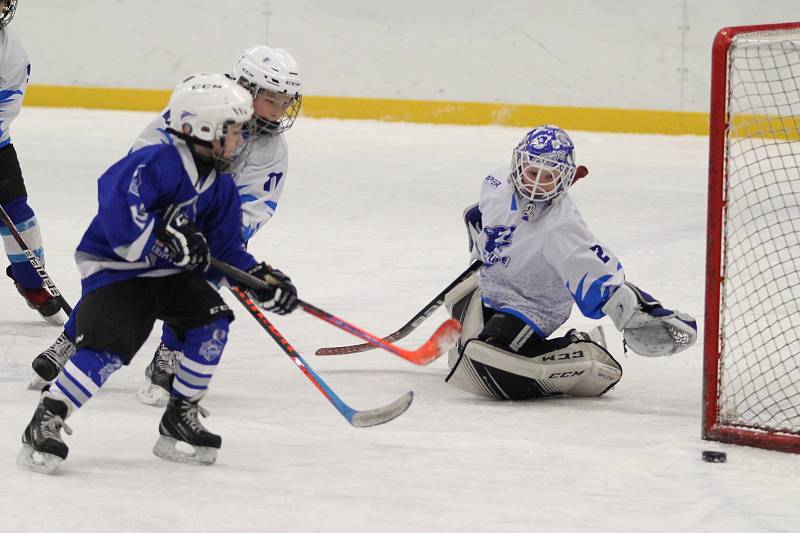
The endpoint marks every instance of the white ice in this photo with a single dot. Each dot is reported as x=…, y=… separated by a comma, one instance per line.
x=370, y=229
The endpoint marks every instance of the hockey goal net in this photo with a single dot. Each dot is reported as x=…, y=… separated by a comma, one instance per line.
x=751, y=390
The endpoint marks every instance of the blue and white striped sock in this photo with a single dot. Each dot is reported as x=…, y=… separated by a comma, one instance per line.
x=83, y=375
x=202, y=351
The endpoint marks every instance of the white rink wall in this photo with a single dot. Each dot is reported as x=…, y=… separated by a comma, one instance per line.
x=624, y=54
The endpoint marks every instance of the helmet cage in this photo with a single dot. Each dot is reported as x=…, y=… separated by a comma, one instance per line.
x=8, y=13
x=543, y=164
x=549, y=181
x=263, y=126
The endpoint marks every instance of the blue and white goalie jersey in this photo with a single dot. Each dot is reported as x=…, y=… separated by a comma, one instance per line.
x=14, y=71
x=259, y=172
x=536, y=264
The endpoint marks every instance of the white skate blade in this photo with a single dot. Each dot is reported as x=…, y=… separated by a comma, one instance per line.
x=153, y=395
x=37, y=383
x=43, y=463
x=165, y=447
x=58, y=319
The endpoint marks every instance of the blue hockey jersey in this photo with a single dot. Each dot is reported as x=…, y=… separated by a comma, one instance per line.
x=121, y=243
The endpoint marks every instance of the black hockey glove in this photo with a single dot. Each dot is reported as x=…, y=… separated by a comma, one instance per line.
x=187, y=248
x=280, y=298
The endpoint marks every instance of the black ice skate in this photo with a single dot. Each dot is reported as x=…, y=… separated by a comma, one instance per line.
x=158, y=376
x=49, y=363
x=41, y=301
x=180, y=424
x=42, y=447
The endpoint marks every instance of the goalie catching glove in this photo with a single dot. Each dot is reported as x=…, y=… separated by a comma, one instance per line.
x=281, y=297
x=648, y=328
x=186, y=246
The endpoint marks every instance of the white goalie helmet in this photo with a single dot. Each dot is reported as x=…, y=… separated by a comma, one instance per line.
x=543, y=164
x=203, y=105
x=272, y=70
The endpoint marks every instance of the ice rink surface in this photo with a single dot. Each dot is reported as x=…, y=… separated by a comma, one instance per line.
x=369, y=227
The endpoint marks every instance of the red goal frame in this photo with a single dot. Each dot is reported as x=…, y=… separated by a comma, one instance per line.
x=712, y=429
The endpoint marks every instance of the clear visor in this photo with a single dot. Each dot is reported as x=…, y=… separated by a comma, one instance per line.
x=540, y=179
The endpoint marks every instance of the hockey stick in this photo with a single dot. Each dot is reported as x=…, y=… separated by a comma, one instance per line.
x=359, y=419
x=47, y=283
x=441, y=340
x=411, y=325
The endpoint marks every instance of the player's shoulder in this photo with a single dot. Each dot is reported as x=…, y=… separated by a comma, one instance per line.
x=562, y=215
x=164, y=157
x=13, y=53
x=266, y=150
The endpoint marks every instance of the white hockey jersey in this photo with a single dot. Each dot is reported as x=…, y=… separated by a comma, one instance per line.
x=259, y=172
x=14, y=71
x=536, y=264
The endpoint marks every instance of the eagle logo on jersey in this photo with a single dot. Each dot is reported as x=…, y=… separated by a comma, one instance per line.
x=497, y=238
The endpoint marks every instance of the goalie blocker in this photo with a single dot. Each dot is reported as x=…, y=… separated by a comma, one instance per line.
x=499, y=356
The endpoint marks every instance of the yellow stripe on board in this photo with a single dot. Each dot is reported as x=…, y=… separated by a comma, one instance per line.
x=475, y=113
x=97, y=97
x=424, y=111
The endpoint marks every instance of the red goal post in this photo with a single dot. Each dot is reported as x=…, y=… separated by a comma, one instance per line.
x=751, y=381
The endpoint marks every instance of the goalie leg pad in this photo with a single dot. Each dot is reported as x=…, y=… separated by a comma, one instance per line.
x=579, y=369
x=577, y=365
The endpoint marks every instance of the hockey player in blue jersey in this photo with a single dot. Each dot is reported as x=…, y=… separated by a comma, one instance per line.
x=273, y=78
x=14, y=71
x=163, y=211
x=539, y=259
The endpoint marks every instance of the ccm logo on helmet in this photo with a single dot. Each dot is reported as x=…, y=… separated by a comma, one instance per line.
x=207, y=86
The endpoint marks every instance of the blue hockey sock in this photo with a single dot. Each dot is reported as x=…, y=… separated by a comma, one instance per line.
x=202, y=351
x=170, y=339
x=24, y=220
x=83, y=375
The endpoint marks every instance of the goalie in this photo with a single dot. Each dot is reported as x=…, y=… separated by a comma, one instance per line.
x=539, y=257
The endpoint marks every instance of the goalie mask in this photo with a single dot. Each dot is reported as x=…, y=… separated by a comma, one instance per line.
x=543, y=164
x=9, y=8
x=210, y=110
x=272, y=77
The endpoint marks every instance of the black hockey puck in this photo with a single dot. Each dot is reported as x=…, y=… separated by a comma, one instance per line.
x=714, y=457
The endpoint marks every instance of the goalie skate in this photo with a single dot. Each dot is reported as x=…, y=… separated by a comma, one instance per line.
x=43, y=449
x=181, y=425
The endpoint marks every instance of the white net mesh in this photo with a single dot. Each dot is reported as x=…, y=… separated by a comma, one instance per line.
x=759, y=383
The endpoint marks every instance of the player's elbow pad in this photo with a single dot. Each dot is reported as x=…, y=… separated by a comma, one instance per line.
x=649, y=329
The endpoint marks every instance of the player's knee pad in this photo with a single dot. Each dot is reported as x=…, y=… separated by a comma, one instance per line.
x=565, y=365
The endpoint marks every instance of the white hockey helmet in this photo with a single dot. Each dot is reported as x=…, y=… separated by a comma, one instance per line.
x=203, y=105
x=261, y=68
x=9, y=8
x=202, y=108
